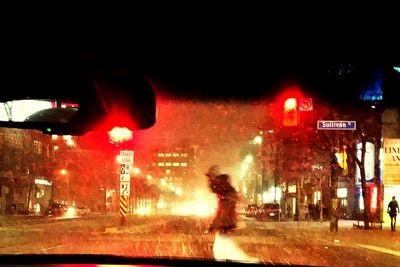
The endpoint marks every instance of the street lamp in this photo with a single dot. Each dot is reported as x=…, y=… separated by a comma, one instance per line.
x=258, y=140
x=248, y=159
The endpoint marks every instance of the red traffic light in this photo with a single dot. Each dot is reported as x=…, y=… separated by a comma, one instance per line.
x=290, y=116
x=290, y=104
x=120, y=134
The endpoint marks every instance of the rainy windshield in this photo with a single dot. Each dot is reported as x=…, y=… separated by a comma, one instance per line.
x=257, y=155
x=190, y=186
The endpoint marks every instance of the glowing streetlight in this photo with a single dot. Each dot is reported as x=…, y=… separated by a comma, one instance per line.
x=258, y=140
x=63, y=172
x=248, y=159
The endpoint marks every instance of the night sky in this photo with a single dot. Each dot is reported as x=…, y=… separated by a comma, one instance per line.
x=199, y=58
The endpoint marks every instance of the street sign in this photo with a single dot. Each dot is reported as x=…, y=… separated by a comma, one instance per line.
x=126, y=157
x=336, y=125
x=306, y=104
x=125, y=169
x=124, y=189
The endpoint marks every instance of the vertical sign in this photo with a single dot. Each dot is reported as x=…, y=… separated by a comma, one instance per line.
x=369, y=162
x=126, y=163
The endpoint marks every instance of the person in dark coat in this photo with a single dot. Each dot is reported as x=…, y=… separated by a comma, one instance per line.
x=393, y=208
x=225, y=219
x=225, y=247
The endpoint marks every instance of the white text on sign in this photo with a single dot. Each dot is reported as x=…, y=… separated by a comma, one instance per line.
x=126, y=157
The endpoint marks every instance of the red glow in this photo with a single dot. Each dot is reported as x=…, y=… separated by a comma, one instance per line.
x=374, y=198
x=69, y=105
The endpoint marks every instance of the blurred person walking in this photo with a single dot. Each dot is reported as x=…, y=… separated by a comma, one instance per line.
x=225, y=219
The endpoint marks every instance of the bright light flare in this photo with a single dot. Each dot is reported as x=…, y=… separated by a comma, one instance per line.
x=70, y=142
x=143, y=211
x=203, y=206
x=120, y=134
x=225, y=248
x=258, y=140
x=63, y=172
x=248, y=159
x=71, y=212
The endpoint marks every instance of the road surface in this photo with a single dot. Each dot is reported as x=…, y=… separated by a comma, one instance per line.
x=308, y=243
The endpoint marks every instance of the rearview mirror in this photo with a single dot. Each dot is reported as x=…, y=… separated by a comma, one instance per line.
x=127, y=102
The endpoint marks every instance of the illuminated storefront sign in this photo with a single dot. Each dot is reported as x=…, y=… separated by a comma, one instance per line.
x=342, y=192
x=391, y=161
x=369, y=162
x=292, y=188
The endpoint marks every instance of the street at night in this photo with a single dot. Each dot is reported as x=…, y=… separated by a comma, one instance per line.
x=302, y=242
x=128, y=140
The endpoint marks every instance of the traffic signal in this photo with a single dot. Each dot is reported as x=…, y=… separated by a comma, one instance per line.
x=290, y=116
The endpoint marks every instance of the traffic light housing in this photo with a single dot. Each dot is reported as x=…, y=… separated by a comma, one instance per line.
x=290, y=116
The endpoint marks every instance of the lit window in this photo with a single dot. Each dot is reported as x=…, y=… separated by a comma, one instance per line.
x=176, y=155
x=184, y=164
x=168, y=164
x=161, y=154
x=161, y=164
x=37, y=147
x=175, y=164
x=168, y=154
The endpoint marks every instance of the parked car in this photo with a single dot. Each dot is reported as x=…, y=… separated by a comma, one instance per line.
x=56, y=210
x=251, y=210
x=82, y=210
x=269, y=211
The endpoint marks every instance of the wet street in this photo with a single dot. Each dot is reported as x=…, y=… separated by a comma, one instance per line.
x=308, y=243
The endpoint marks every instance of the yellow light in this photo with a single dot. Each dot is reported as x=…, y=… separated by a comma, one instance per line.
x=63, y=171
x=178, y=191
x=71, y=212
x=70, y=142
x=258, y=140
x=342, y=192
x=54, y=136
x=118, y=158
x=248, y=159
x=67, y=137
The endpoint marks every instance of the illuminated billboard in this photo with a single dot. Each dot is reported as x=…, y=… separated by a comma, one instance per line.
x=391, y=161
x=369, y=162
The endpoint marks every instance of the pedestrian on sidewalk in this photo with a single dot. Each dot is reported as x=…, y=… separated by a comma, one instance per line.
x=334, y=220
x=393, y=208
x=305, y=212
x=225, y=220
